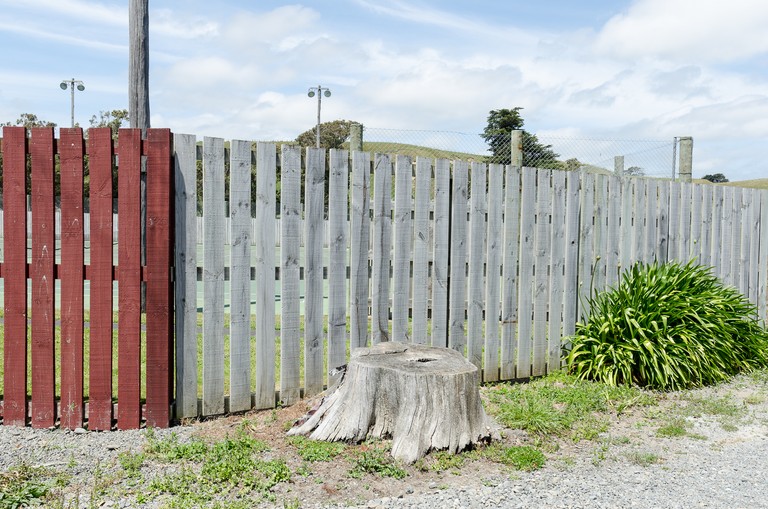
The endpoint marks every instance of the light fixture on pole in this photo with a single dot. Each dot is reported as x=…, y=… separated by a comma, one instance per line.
x=72, y=84
x=320, y=91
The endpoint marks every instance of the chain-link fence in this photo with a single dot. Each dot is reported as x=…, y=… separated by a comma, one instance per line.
x=653, y=158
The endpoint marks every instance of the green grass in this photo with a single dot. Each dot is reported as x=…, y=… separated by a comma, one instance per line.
x=519, y=457
x=210, y=472
x=315, y=450
x=376, y=460
x=562, y=405
x=24, y=486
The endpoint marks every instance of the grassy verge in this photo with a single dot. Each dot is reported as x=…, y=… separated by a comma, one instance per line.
x=239, y=462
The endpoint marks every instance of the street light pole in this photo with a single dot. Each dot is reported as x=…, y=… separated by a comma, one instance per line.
x=71, y=84
x=320, y=91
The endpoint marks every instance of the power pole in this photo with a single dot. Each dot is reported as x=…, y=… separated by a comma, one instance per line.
x=138, y=100
x=138, y=65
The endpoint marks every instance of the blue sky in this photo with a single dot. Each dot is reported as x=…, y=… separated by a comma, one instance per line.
x=629, y=69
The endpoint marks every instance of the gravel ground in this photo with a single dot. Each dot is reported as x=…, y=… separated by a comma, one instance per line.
x=721, y=463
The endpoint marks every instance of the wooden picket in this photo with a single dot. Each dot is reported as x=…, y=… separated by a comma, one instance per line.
x=71, y=149
x=101, y=154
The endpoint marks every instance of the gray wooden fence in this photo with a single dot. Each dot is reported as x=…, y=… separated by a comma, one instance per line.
x=490, y=260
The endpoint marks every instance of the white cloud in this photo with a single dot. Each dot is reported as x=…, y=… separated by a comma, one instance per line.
x=98, y=12
x=687, y=30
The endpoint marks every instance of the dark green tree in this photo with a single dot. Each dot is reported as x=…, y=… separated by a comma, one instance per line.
x=717, y=178
x=332, y=135
x=497, y=135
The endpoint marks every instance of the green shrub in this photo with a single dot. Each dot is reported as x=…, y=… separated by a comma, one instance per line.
x=667, y=326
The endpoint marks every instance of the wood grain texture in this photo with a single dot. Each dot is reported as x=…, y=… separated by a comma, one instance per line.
x=290, y=212
x=440, y=252
x=100, y=155
x=72, y=275
x=443, y=410
x=15, y=293
x=476, y=258
x=314, y=190
x=159, y=300
x=557, y=271
x=494, y=255
x=240, y=276
x=185, y=190
x=402, y=240
x=458, y=252
x=571, y=269
x=359, y=240
x=42, y=276
x=129, y=279
x=542, y=257
x=264, y=309
x=213, y=276
x=337, y=268
x=510, y=286
x=525, y=281
x=421, y=244
x=382, y=245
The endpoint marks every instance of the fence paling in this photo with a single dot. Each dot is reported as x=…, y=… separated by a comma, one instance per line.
x=213, y=276
x=337, y=269
x=458, y=257
x=493, y=271
x=360, y=225
x=72, y=276
x=313, y=304
x=265, y=271
x=290, y=339
x=382, y=245
x=159, y=257
x=240, y=287
x=100, y=150
x=43, y=282
x=129, y=287
x=440, y=250
x=421, y=242
x=15, y=277
x=402, y=247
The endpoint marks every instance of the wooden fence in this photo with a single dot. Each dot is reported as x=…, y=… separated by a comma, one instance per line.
x=493, y=261
x=40, y=269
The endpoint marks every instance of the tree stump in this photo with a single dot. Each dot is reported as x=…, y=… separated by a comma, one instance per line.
x=422, y=397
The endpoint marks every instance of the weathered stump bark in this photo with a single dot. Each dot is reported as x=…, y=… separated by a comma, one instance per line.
x=422, y=397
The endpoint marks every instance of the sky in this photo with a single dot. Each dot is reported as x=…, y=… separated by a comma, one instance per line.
x=581, y=71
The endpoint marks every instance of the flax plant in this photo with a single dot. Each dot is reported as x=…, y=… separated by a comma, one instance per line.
x=667, y=326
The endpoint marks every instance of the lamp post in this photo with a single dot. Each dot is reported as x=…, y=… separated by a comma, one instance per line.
x=320, y=91
x=71, y=84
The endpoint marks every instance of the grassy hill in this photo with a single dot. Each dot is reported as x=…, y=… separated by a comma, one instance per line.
x=754, y=184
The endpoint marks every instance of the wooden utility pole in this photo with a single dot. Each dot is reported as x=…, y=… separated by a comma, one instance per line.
x=138, y=98
x=138, y=68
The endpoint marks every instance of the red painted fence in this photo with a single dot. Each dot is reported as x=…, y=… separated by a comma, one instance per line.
x=40, y=269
